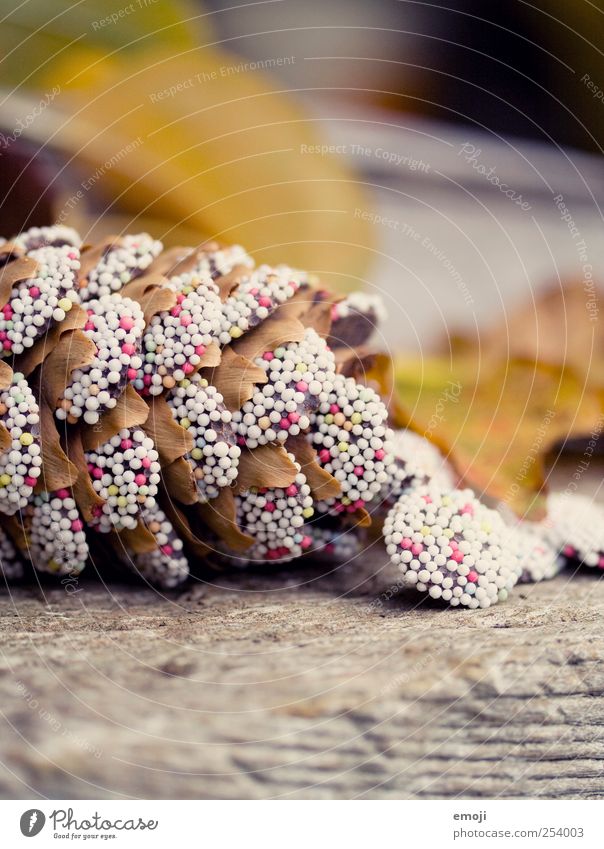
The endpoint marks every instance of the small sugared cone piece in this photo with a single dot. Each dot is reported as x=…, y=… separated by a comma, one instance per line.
x=41, y=301
x=116, y=326
x=125, y=473
x=176, y=340
x=166, y=566
x=258, y=295
x=538, y=559
x=20, y=464
x=350, y=434
x=119, y=264
x=300, y=377
x=574, y=525
x=57, y=541
x=275, y=518
x=199, y=408
x=452, y=547
x=11, y=566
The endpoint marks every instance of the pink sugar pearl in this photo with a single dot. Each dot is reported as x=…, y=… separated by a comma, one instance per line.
x=269, y=507
x=291, y=490
x=333, y=408
x=380, y=454
x=126, y=322
x=31, y=481
x=285, y=424
x=324, y=455
x=306, y=542
x=97, y=473
x=167, y=549
x=125, y=444
x=359, y=470
x=188, y=368
x=302, y=386
x=457, y=556
x=268, y=356
x=417, y=548
x=146, y=463
x=77, y=525
x=140, y=480
x=472, y=576
x=128, y=348
x=294, y=417
x=406, y=542
x=62, y=494
x=265, y=302
x=200, y=350
x=132, y=374
x=185, y=320
x=34, y=292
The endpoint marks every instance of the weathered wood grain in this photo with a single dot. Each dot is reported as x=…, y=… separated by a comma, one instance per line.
x=301, y=684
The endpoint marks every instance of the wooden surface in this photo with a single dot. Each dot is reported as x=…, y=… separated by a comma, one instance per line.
x=301, y=684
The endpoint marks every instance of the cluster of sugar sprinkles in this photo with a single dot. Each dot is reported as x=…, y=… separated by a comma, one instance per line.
x=200, y=409
x=38, y=302
x=21, y=464
x=166, y=566
x=574, y=525
x=452, y=547
x=125, y=473
x=538, y=559
x=300, y=377
x=351, y=436
x=115, y=325
x=56, y=235
x=275, y=518
x=56, y=533
x=257, y=296
x=176, y=340
x=121, y=262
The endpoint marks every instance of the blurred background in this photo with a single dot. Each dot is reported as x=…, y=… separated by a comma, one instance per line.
x=447, y=155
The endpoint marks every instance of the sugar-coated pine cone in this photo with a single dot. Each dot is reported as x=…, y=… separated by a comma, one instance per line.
x=452, y=547
x=165, y=566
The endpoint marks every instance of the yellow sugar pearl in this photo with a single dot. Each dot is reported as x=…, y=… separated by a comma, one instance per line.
x=197, y=453
x=486, y=527
x=53, y=566
x=345, y=500
x=425, y=531
x=264, y=423
x=112, y=490
x=65, y=304
x=446, y=500
x=329, y=418
x=5, y=480
x=343, y=446
x=26, y=439
x=185, y=423
x=448, y=532
x=122, y=501
x=308, y=512
x=356, y=418
x=236, y=332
